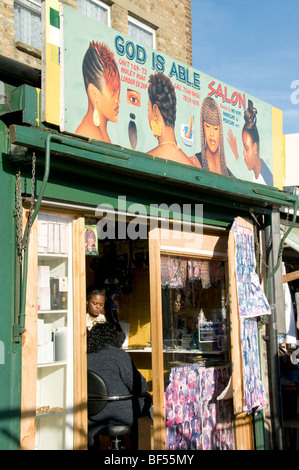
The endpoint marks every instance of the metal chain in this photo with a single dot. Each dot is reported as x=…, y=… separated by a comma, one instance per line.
x=257, y=250
x=18, y=215
x=262, y=259
x=258, y=255
x=31, y=210
x=22, y=243
x=268, y=245
x=259, y=258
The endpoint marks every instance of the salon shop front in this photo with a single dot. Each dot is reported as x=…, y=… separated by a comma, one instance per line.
x=175, y=247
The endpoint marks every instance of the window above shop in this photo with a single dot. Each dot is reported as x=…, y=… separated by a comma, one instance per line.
x=27, y=15
x=96, y=10
x=141, y=32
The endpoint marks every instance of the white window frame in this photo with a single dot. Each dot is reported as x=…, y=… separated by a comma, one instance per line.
x=145, y=27
x=33, y=6
x=104, y=6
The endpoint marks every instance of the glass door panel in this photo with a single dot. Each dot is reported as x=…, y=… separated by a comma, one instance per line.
x=195, y=353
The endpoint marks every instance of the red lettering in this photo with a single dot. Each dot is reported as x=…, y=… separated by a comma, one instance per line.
x=187, y=98
x=219, y=92
x=235, y=98
x=225, y=97
x=242, y=100
x=211, y=88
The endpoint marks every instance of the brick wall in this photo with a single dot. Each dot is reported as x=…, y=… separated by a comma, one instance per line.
x=176, y=38
x=170, y=18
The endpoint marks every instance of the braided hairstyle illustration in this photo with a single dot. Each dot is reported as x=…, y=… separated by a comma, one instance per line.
x=210, y=113
x=162, y=93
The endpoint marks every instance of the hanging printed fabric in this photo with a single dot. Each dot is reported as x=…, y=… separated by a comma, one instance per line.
x=194, y=269
x=252, y=302
x=173, y=272
x=195, y=418
x=251, y=298
x=254, y=394
x=205, y=275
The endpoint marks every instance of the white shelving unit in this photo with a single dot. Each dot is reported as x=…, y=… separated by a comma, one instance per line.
x=54, y=407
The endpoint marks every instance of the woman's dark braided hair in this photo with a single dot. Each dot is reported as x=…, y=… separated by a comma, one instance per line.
x=250, y=123
x=162, y=93
x=101, y=335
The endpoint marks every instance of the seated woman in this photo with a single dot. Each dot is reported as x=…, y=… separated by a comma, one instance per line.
x=116, y=367
x=98, y=311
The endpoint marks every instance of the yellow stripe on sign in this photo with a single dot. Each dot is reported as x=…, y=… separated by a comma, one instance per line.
x=278, y=149
x=53, y=84
x=52, y=67
x=38, y=97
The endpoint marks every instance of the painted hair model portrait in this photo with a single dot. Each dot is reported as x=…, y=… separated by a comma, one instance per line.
x=212, y=155
x=162, y=107
x=251, y=144
x=102, y=85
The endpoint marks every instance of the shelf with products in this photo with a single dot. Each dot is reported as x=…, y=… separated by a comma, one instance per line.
x=53, y=290
x=176, y=351
x=53, y=410
x=139, y=350
x=195, y=352
x=52, y=364
x=45, y=411
x=55, y=331
x=52, y=284
x=43, y=255
x=45, y=312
